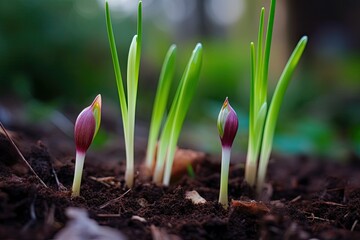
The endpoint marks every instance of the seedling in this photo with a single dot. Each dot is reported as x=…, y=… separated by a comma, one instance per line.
x=263, y=121
x=227, y=125
x=86, y=126
x=179, y=107
x=127, y=105
x=161, y=97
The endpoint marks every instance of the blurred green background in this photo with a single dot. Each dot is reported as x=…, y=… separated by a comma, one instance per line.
x=54, y=58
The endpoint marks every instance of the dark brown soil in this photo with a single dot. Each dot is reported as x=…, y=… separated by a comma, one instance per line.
x=308, y=198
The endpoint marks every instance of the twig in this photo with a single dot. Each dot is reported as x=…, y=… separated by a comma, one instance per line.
x=114, y=200
x=353, y=226
x=295, y=199
x=107, y=215
x=334, y=204
x=21, y=156
x=106, y=181
x=313, y=217
x=61, y=187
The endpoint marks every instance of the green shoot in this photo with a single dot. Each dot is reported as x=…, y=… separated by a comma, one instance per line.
x=262, y=122
x=160, y=102
x=190, y=171
x=227, y=124
x=127, y=107
x=176, y=117
x=274, y=109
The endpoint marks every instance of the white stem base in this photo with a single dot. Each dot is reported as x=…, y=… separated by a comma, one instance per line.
x=79, y=165
x=224, y=178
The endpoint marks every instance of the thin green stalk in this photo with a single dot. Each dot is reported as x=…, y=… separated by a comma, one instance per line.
x=274, y=109
x=79, y=166
x=188, y=88
x=161, y=97
x=259, y=106
x=225, y=162
x=259, y=63
x=251, y=158
x=179, y=107
x=114, y=55
x=127, y=107
x=266, y=59
x=132, y=83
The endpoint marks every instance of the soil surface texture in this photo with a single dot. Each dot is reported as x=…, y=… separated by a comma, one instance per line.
x=305, y=198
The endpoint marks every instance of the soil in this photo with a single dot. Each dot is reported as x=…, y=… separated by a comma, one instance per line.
x=306, y=198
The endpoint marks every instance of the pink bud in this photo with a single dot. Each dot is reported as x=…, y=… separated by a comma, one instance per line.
x=227, y=124
x=87, y=125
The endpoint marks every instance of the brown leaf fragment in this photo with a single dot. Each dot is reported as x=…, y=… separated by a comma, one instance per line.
x=252, y=207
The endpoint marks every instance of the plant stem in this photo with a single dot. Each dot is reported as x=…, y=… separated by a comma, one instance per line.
x=79, y=165
x=274, y=109
x=225, y=162
x=132, y=85
x=160, y=102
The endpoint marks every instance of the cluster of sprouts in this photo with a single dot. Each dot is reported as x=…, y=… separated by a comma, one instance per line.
x=262, y=120
x=162, y=140
x=176, y=116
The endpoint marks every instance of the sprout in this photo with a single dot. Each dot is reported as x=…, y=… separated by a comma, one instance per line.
x=86, y=126
x=160, y=102
x=127, y=105
x=179, y=107
x=262, y=122
x=227, y=124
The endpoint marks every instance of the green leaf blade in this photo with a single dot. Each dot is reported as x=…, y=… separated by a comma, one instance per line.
x=117, y=70
x=160, y=102
x=274, y=109
x=188, y=87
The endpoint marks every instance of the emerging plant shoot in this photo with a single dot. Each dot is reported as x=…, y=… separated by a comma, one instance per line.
x=128, y=104
x=227, y=125
x=161, y=97
x=86, y=126
x=262, y=122
x=179, y=107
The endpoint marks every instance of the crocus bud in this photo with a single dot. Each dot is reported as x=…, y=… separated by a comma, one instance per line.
x=227, y=124
x=87, y=124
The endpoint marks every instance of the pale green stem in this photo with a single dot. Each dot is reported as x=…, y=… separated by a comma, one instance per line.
x=132, y=84
x=251, y=158
x=224, y=178
x=170, y=159
x=274, y=109
x=79, y=165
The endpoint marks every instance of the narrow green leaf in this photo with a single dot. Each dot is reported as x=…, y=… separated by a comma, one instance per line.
x=274, y=109
x=268, y=40
x=251, y=158
x=119, y=81
x=259, y=123
x=161, y=97
x=191, y=77
x=258, y=73
x=139, y=37
x=166, y=134
x=132, y=83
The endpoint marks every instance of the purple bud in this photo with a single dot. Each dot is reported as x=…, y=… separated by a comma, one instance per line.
x=227, y=124
x=87, y=124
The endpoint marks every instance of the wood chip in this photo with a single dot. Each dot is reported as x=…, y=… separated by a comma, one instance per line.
x=195, y=197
